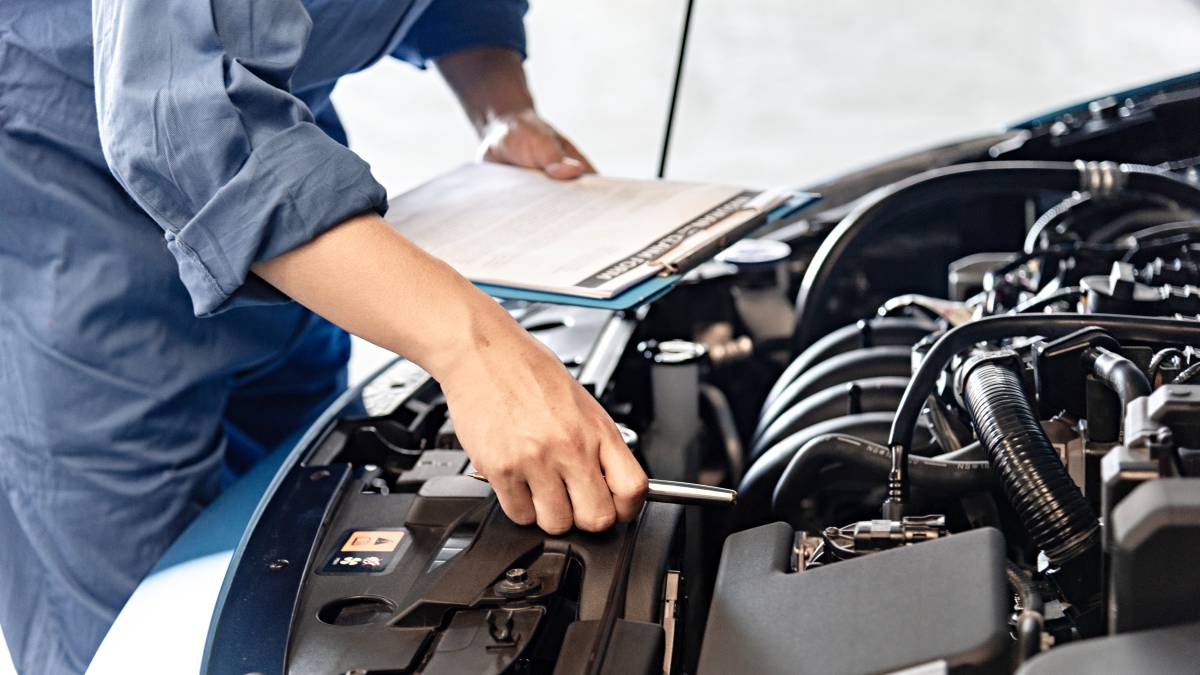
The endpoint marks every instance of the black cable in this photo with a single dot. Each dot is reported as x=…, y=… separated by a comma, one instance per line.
x=754, y=492
x=1187, y=375
x=675, y=83
x=802, y=476
x=880, y=208
x=1151, y=330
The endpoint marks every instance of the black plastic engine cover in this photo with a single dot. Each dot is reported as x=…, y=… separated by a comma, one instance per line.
x=944, y=600
x=1148, y=652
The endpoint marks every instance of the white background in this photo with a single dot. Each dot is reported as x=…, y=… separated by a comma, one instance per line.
x=778, y=91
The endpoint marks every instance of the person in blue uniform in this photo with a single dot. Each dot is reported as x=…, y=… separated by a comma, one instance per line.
x=184, y=240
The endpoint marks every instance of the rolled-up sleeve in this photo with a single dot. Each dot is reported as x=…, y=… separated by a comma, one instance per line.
x=450, y=25
x=199, y=126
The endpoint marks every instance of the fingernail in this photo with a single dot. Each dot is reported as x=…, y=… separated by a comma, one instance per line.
x=555, y=167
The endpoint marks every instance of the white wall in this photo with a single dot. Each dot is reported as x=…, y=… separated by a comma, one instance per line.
x=779, y=91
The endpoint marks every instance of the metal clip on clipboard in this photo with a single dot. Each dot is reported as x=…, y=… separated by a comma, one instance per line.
x=680, y=259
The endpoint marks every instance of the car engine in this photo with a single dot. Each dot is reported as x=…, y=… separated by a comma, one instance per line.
x=959, y=397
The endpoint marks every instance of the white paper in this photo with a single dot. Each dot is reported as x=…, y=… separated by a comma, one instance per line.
x=515, y=227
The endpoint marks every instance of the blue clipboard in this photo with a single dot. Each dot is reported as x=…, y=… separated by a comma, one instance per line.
x=652, y=288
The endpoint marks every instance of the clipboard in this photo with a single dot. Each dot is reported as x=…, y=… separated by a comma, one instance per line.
x=655, y=287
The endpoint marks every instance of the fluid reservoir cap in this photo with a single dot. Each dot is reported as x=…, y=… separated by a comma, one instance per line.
x=755, y=253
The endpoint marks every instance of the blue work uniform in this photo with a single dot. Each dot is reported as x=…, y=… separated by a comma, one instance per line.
x=150, y=152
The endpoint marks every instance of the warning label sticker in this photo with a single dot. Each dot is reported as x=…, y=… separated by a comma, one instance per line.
x=373, y=540
x=366, y=552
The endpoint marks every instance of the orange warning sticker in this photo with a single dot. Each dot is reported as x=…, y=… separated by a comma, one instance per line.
x=384, y=541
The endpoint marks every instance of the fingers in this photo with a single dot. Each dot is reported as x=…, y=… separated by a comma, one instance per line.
x=574, y=153
x=515, y=499
x=551, y=157
x=564, y=168
x=550, y=501
x=591, y=501
x=625, y=477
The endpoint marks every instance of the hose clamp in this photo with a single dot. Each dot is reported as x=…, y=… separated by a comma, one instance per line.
x=1102, y=180
x=974, y=361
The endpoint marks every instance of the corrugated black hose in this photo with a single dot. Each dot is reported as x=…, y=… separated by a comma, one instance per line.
x=1054, y=512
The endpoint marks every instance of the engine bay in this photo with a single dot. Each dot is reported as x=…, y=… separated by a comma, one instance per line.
x=959, y=398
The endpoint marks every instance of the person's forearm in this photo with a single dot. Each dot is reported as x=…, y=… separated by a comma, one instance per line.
x=489, y=83
x=550, y=451
x=367, y=278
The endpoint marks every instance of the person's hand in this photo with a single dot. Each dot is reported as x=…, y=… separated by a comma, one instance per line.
x=525, y=139
x=549, y=450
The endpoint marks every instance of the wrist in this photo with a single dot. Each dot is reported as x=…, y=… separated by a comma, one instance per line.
x=489, y=83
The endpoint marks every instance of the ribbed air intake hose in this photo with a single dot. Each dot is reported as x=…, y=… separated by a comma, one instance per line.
x=1051, y=507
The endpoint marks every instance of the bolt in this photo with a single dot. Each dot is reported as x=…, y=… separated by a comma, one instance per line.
x=517, y=575
x=276, y=565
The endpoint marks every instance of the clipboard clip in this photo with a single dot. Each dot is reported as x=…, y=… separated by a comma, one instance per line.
x=675, y=260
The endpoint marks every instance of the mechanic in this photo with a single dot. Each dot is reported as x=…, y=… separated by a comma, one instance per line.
x=171, y=173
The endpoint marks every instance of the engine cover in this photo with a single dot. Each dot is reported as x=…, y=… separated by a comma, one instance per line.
x=940, y=601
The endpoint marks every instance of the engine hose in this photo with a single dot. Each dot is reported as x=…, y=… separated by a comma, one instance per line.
x=878, y=209
x=872, y=394
x=972, y=452
x=1051, y=507
x=723, y=416
x=1050, y=220
x=802, y=477
x=873, y=332
x=1143, y=329
x=754, y=492
x=892, y=361
x=1118, y=374
x=1031, y=619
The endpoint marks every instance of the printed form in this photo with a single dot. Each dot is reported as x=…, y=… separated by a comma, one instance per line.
x=593, y=237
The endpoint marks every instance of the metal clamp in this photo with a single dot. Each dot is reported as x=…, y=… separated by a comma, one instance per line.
x=1100, y=179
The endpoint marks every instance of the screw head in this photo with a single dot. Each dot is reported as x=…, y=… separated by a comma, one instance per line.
x=277, y=565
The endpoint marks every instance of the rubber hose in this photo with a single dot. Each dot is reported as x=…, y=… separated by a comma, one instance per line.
x=1031, y=619
x=979, y=179
x=1051, y=507
x=872, y=394
x=893, y=361
x=870, y=460
x=1118, y=374
x=731, y=439
x=754, y=492
x=874, y=332
x=972, y=452
x=1144, y=329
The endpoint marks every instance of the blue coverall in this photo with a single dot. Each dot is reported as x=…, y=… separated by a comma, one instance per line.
x=150, y=152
